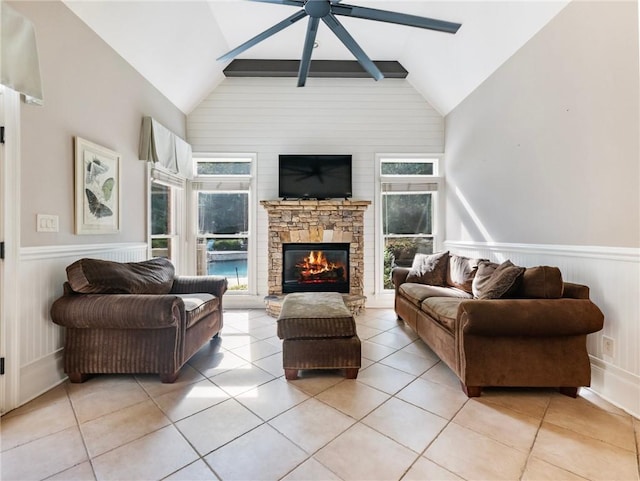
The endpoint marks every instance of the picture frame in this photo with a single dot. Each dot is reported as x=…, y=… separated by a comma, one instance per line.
x=97, y=188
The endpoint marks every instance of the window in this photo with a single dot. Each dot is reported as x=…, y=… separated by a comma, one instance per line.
x=166, y=215
x=222, y=166
x=223, y=218
x=408, y=187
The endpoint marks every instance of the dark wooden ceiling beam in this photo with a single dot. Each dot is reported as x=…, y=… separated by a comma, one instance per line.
x=319, y=68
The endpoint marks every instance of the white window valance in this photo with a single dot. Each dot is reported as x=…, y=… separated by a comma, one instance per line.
x=164, y=148
x=20, y=69
x=166, y=178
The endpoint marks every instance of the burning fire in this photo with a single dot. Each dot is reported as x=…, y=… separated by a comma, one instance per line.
x=316, y=267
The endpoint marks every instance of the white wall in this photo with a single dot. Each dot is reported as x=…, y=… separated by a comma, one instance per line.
x=546, y=150
x=543, y=166
x=91, y=92
x=270, y=116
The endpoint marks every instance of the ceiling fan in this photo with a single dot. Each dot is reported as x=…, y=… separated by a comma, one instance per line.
x=326, y=10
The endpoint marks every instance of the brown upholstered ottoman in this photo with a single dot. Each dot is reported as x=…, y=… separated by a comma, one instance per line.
x=319, y=333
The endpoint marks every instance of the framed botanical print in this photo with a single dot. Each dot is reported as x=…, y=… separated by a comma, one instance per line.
x=97, y=188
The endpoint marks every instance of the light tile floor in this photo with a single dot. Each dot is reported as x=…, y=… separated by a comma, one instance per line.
x=232, y=416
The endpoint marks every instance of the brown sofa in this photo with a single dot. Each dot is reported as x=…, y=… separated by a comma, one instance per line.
x=499, y=325
x=135, y=317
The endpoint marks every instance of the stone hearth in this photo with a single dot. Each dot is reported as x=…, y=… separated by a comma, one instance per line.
x=310, y=221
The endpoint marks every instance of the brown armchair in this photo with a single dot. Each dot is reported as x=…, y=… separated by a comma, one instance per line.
x=135, y=317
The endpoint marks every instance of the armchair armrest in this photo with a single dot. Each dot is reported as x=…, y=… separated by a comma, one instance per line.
x=118, y=311
x=529, y=317
x=215, y=285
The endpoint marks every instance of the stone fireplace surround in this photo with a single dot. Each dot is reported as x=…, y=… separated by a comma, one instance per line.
x=309, y=221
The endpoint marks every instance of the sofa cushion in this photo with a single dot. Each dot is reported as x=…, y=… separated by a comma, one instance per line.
x=96, y=276
x=503, y=282
x=429, y=269
x=542, y=282
x=462, y=270
x=483, y=274
x=443, y=309
x=198, y=305
x=417, y=293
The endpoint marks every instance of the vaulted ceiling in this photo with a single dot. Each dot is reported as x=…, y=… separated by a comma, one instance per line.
x=174, y=44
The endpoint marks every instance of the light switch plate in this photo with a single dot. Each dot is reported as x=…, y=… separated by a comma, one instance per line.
x=46, y=223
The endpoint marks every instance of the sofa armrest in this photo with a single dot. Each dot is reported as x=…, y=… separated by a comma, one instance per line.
x=399, y=275
x=575, y=291
x=215, y=285
x=118, y=311
x=529, y=317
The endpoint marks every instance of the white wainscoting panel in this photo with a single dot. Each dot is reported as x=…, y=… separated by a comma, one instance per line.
x=613, y=276
x=41, y=276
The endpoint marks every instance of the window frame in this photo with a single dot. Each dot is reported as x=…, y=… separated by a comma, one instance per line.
x=227, y=183
x=437, y=207
x=177, y=189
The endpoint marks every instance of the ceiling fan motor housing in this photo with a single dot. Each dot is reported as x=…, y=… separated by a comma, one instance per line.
x=317, y=8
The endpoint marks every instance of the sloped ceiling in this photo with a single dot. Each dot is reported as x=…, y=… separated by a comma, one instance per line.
x=174, y=44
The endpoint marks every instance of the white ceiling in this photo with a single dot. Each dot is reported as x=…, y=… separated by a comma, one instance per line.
x=174, y=44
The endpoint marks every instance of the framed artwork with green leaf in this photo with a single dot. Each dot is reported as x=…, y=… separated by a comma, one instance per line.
x=97, y=185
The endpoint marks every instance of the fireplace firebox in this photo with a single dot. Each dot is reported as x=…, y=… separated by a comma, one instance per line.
x=315, y=267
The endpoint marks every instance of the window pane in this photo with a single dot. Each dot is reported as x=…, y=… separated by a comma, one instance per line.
x=160, y=209
x=161, y=248
x=407, y=214
x=399, y=251
x=206, y=167
x=407, y=168
x=225, y=257
x=223, y=213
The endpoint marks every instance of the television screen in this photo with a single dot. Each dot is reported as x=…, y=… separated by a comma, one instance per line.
x=314, y=176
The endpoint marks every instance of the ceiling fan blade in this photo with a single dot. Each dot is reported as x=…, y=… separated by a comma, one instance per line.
x=305, y=62
x=293, y=3
x=266, y=34
x=332, y=22
x=394, y=17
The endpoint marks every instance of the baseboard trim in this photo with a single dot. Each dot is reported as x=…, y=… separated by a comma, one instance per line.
x=41, y=375
x=243, y=301
x=617, y=386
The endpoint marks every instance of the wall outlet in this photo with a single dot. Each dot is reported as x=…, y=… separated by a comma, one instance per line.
x=607, y=346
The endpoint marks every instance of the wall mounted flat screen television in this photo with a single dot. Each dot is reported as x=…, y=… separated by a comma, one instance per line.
x=314, y=176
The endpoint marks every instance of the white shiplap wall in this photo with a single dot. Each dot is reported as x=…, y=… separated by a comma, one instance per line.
x=271, y=116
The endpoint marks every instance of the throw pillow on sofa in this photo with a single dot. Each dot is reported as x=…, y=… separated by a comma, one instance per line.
x=542, y=282
x=462, y=271
x=502, y=282
x=483, y=274
x=429, y=269
x=96, y=276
